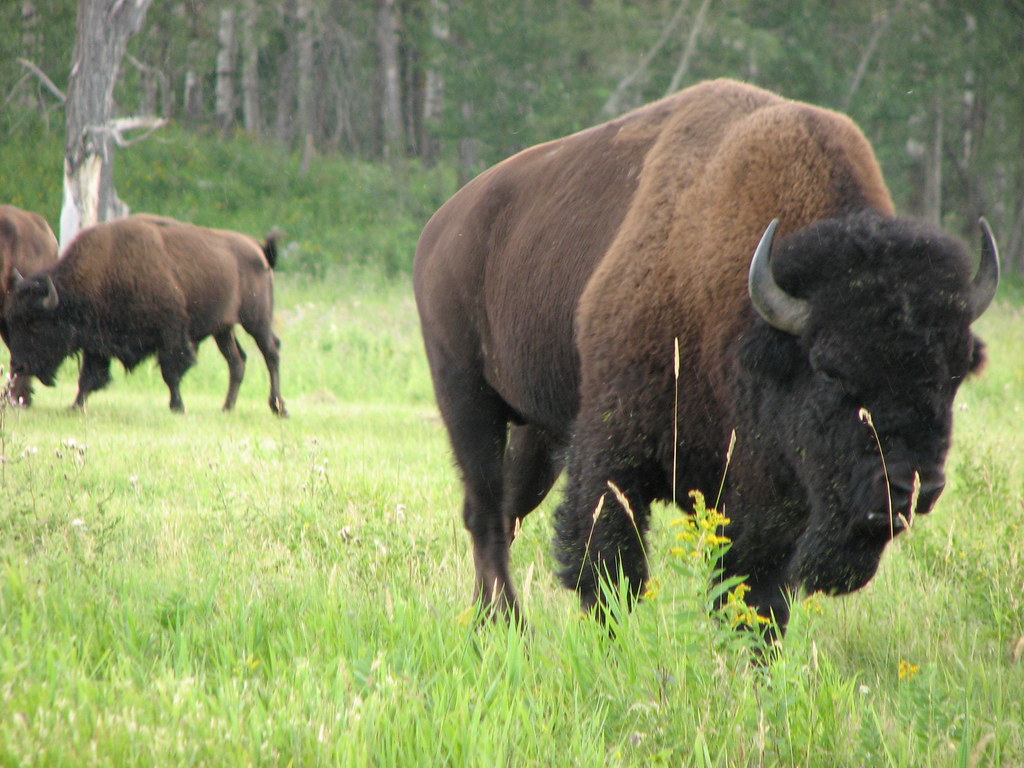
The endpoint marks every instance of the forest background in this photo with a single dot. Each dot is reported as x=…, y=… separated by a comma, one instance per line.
x=455, y=85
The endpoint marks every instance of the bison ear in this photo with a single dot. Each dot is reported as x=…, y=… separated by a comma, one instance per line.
x=50, y=300
x=14, y=279
x=986, y=279
x=778, y=308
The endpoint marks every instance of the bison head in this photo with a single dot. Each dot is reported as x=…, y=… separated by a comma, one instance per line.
x=851, y=380
x=40, y=338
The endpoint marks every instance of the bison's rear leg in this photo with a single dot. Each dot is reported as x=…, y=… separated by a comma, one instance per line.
x=477, y=422
x=235, y=355
x=174, y=361
x=270, y=348
x=95, y=375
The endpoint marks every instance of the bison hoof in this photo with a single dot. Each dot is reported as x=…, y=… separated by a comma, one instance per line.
x=277, y=406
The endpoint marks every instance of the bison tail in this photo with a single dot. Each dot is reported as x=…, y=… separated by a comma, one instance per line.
x=270, y=247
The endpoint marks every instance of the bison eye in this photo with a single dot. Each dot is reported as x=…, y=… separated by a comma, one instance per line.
x=828, y=374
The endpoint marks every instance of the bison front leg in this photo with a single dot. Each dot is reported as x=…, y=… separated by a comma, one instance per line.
x=21, y=389
x=95, y=375
x=599, y=533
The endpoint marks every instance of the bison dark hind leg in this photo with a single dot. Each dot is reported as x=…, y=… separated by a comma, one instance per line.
x=477, y=422
x=95, y=375
x=270, y=348
x=174, y=361
x=235, y=355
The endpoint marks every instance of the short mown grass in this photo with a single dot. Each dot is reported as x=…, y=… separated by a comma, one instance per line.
x=234, y=589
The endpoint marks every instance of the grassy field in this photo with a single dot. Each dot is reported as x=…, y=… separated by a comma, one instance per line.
x=234, y=589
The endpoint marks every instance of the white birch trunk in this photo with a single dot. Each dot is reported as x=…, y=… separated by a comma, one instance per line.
x=433, y=87
x=613, y=106
x=304, y=77
x=251, y=118
x=224, y=108
x=933, y=175
x=691, y=46
x=391, y=105
x=103, y=32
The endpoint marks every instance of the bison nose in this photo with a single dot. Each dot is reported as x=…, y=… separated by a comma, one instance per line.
x=927, y=485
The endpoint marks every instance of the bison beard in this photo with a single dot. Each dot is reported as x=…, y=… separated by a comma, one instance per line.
x=553, y=287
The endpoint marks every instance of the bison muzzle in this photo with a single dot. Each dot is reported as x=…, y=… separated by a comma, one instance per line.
x=554, y=287
x=145, y=285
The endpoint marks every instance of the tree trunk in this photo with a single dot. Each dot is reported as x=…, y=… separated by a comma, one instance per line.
x=284, y=128
x=613, y=106
x=469, y=147
x=224, y=108
x=103, y=32
x=868, y=53
x=932, y=203
x=304, y=83
x=391, y=104
x=192, y=97
x=250, y=70
x=433, y=87
x=691, y=46
x=31, y=21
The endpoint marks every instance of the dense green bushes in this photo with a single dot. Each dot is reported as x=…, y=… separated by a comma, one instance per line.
x=341, y=212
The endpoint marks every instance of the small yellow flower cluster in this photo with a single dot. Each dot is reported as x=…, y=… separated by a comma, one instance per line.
x=700, y=532
x=738, y=612
x=653, y=590
x=908, y=671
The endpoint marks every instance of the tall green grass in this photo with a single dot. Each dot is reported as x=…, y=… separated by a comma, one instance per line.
x=235, y=589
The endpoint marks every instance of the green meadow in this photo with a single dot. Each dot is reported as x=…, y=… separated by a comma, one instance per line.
x=235, y=589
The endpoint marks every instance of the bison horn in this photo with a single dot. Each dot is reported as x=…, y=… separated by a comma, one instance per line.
x=778, y=308
x=986, y=279
x=50, y=301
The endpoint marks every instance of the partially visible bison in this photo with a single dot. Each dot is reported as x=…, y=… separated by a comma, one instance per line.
x=146, y=285
x=27, y=244
x=553, y=288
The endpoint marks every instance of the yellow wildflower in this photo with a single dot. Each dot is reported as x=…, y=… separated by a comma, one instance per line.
x=908, y=671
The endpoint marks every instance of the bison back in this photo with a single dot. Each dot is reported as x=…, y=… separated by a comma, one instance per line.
x=500, y=267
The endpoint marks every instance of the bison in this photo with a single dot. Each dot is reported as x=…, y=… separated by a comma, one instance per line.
x=757, y=234
x=27, y=244
x=146, y=285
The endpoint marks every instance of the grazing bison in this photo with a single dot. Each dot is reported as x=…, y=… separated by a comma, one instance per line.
x=553, y=288
x=27, y=244
x=146, y=285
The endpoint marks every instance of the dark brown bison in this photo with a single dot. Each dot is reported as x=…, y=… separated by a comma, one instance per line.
x=146, y=285
x=552, y=290
x=27, y=244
